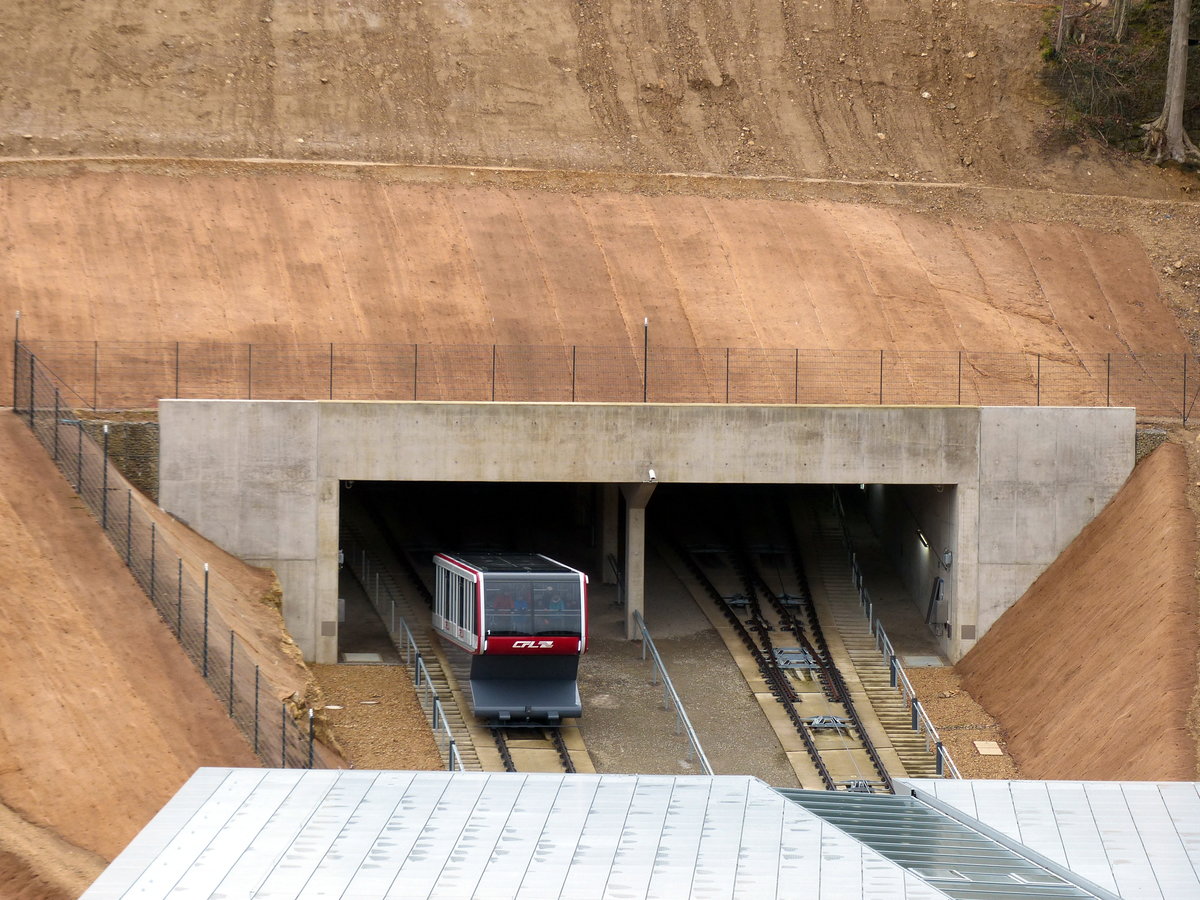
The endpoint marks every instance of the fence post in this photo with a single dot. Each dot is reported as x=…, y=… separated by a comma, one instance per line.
x=960, y=378
x=57, y=415
x=796, y=397
x=32, y=363
x=414, y=371
x=1108, y=380
x=493, y=373
x=331, y=370
x=232, y=635
x=283, y=735
x=1039, y=379
x=104, y=484
x=250, y=371
x=179, y=600
x=1183, y=408
x=95, y=373
x=153, y=542
x=573, y=370
x=128, y=527
x=79, y=456
x=256, y=677
x=206, y=621
x=310, y=738
x=892, y=669
x=939, y=759
x=726, y=374
x=645, y=358
x=16, y=355
x=916, y=713
x=177, y=370
x=881, y=376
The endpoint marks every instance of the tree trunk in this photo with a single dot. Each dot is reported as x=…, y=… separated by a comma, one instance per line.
x=1120, y=19
x=1165, y=137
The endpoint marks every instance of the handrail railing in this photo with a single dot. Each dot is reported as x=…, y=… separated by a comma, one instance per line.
x=897, y=677
x=376, y=584
x=670, y=697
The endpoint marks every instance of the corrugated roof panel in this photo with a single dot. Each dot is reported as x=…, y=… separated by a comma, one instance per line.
x=1139, y=839
x=558, y=842
x=187, y=856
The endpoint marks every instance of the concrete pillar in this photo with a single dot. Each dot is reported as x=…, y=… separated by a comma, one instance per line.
x=610, y=504
x=636, y=498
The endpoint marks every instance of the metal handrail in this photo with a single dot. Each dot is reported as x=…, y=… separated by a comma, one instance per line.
x=620, y=578
x=670, y=696
x=380, y=593
x=921, y=723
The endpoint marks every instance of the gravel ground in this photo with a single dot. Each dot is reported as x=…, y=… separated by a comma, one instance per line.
x=960, y=721
x=379, y=724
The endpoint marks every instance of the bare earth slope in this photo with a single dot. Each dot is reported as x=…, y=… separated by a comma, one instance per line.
x=125, y=256
x=1093, y=671
x=924, y=90
x=104, y=715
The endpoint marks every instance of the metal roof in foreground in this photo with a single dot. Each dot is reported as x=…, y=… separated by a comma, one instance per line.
x=275, y=833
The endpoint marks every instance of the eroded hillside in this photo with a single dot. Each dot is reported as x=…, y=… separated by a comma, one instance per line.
x=933, y=90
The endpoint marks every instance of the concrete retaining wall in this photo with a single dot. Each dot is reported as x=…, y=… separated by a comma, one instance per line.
x=260, y=478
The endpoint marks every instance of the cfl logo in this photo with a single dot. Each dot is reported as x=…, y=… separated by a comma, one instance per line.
x=532, y=645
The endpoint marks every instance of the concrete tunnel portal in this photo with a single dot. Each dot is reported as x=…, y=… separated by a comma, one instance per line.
x=586, y=526
x=984, y=498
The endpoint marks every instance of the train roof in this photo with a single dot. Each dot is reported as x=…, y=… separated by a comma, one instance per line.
x=511, y=563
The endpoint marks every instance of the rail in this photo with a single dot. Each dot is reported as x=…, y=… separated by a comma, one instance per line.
x=897, y=677
x=377, y=585
x=670, y=697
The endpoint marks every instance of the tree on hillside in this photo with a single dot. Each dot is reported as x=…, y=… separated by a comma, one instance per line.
x=1165, y=137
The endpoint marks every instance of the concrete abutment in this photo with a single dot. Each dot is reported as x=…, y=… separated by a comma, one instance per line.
x=1004, y=489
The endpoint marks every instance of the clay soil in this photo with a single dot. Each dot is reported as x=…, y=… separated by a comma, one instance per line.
x=104, y=715
x=895, y=90
x=1093, y=671
x=310, y=259
x=374, y=714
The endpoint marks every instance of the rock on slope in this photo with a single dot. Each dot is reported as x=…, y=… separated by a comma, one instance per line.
x=1093, y=671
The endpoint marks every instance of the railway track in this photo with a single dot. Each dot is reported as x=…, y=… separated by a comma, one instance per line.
x=534, y=747
x=750, y=567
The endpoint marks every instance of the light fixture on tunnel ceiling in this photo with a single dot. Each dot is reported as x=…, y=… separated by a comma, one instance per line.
x=862, y=487
x=650, y=476
x=921, y=537
x=947, y=559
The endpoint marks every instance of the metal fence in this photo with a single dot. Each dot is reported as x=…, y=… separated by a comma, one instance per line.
x=182, y=600
x=127, y=375
x=377, y=583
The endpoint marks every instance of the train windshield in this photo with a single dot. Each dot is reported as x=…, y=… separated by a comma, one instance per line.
x=520, y=607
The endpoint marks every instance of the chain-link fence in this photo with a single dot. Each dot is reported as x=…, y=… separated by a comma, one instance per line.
x=183, y=601
x=127, y=375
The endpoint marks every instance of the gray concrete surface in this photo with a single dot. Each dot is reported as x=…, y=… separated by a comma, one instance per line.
x=260, y=478
x=624, y=723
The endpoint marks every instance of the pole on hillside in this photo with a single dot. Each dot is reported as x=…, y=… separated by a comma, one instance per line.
x=16, y=346
x=104, y=483
x=645, y=358
x=206, y=621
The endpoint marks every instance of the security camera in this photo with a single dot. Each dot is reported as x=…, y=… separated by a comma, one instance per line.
x=652, y=476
